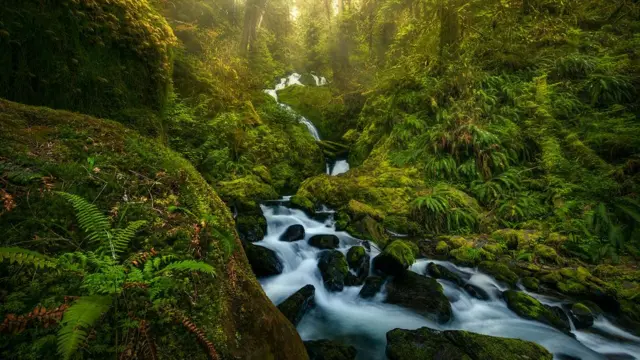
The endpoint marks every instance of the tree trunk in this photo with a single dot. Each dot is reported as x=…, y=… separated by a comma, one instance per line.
x=450, y=33
x=253, y=14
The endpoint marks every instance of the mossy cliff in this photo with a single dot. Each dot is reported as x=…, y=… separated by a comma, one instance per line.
x=130, y=178
x=103, y=58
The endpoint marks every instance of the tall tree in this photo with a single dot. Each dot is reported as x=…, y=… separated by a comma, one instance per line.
x=253, y=13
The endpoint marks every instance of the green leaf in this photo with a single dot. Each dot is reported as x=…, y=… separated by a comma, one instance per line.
x=77, y=320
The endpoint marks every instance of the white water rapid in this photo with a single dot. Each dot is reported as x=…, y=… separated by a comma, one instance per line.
x=346, y=317
x=333, y=169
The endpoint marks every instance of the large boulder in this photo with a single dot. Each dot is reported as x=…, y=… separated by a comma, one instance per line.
x=530, y=308
x=372, y=286
x=293, y=233
x=499, y=271
x=396, y=258
x=359, y=262
x=333, y=268
x=429, y=344
x=324, y=241
x=421, y=294
x=440, y=272
x=263, y=261
x=252, y=227
x=297, y=305
x=329, y=350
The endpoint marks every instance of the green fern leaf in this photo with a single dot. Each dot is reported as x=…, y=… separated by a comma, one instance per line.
x=23, y=256
x=122, y=237
x=77, y=320
x=91, y=220
x=190, y=265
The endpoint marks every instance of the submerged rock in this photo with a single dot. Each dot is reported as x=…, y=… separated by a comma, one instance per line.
x=324, y=241
x=293, y=233
x=263, y=261
x=333, y=268
x=329, y=350
x=530, y=308
x=581, y=315
x=440, y=272
x=429, y=344
x=372, y=286
x=421, y=294
x=396, y=258
x=296, y=305
x=476, y=291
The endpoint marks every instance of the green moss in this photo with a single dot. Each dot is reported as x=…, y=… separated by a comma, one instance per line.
x=531, y=283
x=546, y=253
x=404, y=252
x=496, y=249
x=360, y=210
x=355, y=254
x=342, y=220
x=442, y=247
x=369, y=229
x=530, y=308
x=104, y=58
x=517, y=239
x=246, y=192
x=456, y=241
x=302, y=203
x=499, y=271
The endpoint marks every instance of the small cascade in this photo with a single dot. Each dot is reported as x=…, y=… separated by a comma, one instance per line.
x=363, y=323
x=333, y=169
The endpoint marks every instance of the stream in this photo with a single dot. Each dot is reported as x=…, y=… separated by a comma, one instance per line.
x=363, y=323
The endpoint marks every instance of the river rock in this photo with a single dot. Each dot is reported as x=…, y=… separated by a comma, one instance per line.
x=263, y=261
x=499, y=271
x=581, y=315
x=252, y=227
x=296, y=305
x=324, y=241
x=396, y=258
x=429, y=344
x=334, y=269
x=372, y=286
x=329, y=350
x=440, y=272
x=293, y=233
x=421, y=294
x=476, y=291
x=530, y=308
x=359, y=262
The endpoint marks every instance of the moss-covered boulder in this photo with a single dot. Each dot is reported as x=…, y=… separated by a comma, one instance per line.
x=131, y=178
x=440, y=272
x=531, y=283
x=329, y=350
x=293, y=233
x=429, y=344
x=370, y=229
x=371, y=287
x=334, y=269
x=421, y=294
x=251, y=227
x=324, y=241
x=107, y=58
x=530, y=308
x=298, y=304
x=499, y=271
x=396, y=258
x=581, y=315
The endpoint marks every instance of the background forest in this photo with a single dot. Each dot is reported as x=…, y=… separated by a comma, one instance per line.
x=499, y=130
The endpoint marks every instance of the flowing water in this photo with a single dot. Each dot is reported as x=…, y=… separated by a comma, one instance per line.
x=364, y=323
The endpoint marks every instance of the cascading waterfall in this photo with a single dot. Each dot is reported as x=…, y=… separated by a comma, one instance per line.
x=363, y=323
x=333, y=169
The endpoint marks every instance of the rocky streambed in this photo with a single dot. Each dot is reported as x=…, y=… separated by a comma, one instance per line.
x=349, y=300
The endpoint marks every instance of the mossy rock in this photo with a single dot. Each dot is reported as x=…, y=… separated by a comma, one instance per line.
x=324, y=241
x=396, y=257
x=531, y=283
x=334, y=269
x=251, y=228
x=427, y=344
x=342, y=220
x=421, y=294
x=329, y=350
x=530, y=308
x=546, y=253
x=581, y=315
x=264, y=261
x=470, y=256
x=302, y=203
x=360, y=210
x=499, y=271
x=371, y=287
x=441, y=272
x=442, y=247
x=179, y=202
x=368, y=228
x=298, y=304
x=246, y=193
x=517, y=239
x=400, y=225
x=107, y=58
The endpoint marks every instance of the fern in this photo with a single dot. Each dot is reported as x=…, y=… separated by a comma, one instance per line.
x=122, y=237
x=77, y=320
x=190, y=265
x=26, y=257
x=91, y=220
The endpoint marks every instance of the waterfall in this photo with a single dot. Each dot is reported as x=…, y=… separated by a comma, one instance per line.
x=340, y=166
x=364, y=323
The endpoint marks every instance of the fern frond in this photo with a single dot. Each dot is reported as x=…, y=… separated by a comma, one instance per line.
x=77, y=320
x=190, y=265
x=122, y=237
x=23, y=256
x=91, y=220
